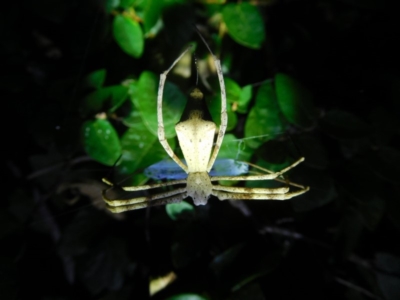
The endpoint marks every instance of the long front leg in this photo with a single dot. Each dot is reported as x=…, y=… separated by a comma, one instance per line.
x=160, y=119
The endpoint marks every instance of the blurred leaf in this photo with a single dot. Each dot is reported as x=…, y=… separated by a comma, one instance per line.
x=265, y=119
x=343, y=125
x=21, y=205
x=106, y=266
x=225, y=259
x=322, y=189
x=190, y=242
x=253, y=261
x=245, y=24
x=294, y=100
x=113, y=96
x=146, y=102
x=111, y=4
x=9, y=287
x=313, y=151
x=181, y=210
x=386, y=164
x=245, y=97
x=275, y=152
x=101, y=142
x=372, y=210
x=349, y=231
x=186, y=297
x=96, y=79
x=251, y=291
x=388, y=262
x=129, y=36
x=140, y=148
x=86, y=226
x=125, y=4
x=384, y=124
x=388, y=283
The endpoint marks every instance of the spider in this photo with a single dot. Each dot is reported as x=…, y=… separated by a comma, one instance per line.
x=196, y=132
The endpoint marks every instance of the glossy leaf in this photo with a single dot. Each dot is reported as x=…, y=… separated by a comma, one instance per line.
x=181, y=210
x=140, y=148
x=129, y=36
x=111, y=97
x=245, y=24
x=265, y=119
x=101, y=141
x=146, y=102
x=96, y=79
x=294, y=100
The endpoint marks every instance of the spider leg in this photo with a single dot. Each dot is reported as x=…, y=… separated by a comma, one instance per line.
x=276, y=179
x=224, y=115
x=246, y=190
x=123, y=202
x=146, y=186
x=259, y=176
x=241, y=196
x=161, y=130
x=118, y=206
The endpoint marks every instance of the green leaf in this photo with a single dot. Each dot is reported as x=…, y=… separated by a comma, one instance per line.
x=112, y=96
x=125, y=4
x=101, y=141
x=96, y=79
x=234, y=148
x=182, y=210
x=111, y=4
x=129, y=36
x=294, y=100
x=186, y=297
x=265, y=119
x=152, y=13
x=344, y=125
x=140, y=148
x=237, y=97
x=245, y=97
x=214, y=106
x=245, y=24
x=233, y=90
x=146, y=102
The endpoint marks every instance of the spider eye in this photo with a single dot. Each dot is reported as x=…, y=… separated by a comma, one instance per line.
x=196, y=94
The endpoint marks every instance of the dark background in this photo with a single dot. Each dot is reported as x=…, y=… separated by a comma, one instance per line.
x=57, y=240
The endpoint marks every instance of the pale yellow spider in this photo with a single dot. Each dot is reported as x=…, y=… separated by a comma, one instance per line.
x=196, y=138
